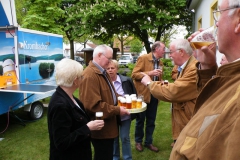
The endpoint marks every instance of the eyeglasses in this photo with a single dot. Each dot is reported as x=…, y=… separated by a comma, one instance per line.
x=171, y=52
x=109, y=59
x=217, y=13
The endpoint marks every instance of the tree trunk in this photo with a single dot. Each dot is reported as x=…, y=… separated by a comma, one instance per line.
x=72, y=49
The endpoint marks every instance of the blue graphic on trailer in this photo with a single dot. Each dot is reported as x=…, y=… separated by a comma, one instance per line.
x=38, y=56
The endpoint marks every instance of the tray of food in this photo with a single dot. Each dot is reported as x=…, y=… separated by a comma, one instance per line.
x=138, y=110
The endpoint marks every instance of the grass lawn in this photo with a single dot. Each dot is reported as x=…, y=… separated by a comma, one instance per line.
x=31, y=142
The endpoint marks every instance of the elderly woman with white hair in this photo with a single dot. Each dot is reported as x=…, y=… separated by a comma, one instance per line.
x=69, y=125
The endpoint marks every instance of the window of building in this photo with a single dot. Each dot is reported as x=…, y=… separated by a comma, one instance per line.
x=213, y=6
x=200, y=22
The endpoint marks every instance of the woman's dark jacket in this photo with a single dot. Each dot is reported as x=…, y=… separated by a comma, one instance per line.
x=128, y=88
x=68, y=132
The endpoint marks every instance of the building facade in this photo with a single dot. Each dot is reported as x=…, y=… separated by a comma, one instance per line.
x=202, y=11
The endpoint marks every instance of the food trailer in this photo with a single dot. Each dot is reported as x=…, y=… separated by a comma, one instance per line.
x=27, y=64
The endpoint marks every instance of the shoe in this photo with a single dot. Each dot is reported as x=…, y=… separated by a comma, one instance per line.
x=139, y=147
x=152, y=148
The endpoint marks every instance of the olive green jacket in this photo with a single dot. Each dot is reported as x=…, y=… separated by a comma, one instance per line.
x=213, y=132
x=144, y=64
x=182, y=93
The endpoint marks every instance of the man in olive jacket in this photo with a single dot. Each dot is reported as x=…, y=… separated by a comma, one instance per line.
x=213, y=132
x=97, y=93
x=149, y=64
x=183, y=92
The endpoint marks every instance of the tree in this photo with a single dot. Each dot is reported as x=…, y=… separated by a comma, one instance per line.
x=42, y=15
x=136, y=46
x=54, y=16
x=138, y=17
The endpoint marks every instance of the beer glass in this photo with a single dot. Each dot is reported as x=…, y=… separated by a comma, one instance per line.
x=133, y=95
x=99, y=115
x=165, y=82
x=119, y=101
x=204, y=38
x=141, y=97
x=129, y=103
x=134, y=102
x=139, y=103
x=123, y=102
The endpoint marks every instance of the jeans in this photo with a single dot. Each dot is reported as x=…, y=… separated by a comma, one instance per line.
x=124, y=131
x=150, y=116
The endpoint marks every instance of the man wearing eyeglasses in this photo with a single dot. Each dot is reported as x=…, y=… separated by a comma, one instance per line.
x=183, y=91
x=213, y=132
x=97, y=93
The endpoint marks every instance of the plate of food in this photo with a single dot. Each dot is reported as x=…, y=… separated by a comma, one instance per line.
x=138, y=110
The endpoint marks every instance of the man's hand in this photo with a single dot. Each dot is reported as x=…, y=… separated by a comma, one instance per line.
x=123, y=111
x=207, y=54
x=155, y=72
x=145, y=79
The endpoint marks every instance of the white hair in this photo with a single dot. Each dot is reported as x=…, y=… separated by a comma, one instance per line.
x=182, y=44
x=101, y=49
x=233, y=3
x=67, y=71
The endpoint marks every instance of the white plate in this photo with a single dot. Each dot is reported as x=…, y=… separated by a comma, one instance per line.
x=138, y=110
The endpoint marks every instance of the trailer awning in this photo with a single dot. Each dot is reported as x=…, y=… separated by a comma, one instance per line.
x=29, y=88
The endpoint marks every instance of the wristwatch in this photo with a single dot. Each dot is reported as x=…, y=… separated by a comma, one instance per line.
x=148, y=83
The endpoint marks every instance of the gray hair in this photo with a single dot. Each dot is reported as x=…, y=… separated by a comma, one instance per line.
x=233, y=3
x=155, y=45
x=182, y=44
x=67, y=71
x=101, y=49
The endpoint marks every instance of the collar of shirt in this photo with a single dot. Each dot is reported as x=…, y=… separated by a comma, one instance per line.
x=154, y=58
x=118, y=80
x=236, y=60
x=183, y=66
x=98, y=66
x=118, y=86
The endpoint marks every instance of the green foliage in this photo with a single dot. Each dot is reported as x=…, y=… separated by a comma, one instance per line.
x=136, y=46
x=130, y=67
x=103, y=18
x=167, y=71
x=42, y=15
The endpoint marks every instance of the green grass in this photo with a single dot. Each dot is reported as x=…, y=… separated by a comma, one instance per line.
x=31, y=142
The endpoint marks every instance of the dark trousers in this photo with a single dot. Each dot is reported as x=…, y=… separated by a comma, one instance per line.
x=103, y=149
x=150, y=116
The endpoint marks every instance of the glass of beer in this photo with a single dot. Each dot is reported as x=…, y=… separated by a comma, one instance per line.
x=141, y=97
x=133, y=95
x=129, y=103
x=165, y=82
x=99, y=115
x=119, y=101
x=123, y=102
x=139, y=103
x=204, y=38
x=134, y=102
